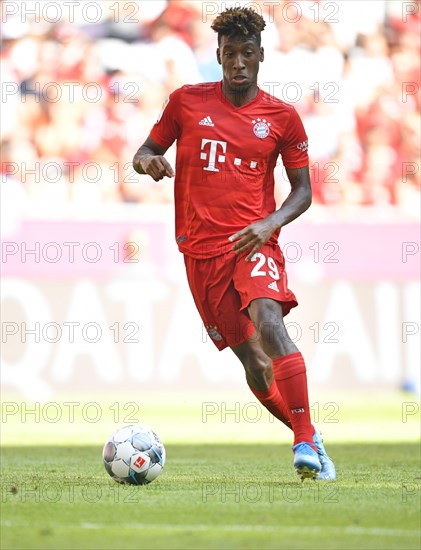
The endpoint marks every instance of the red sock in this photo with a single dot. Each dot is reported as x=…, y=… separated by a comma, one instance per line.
x=290, y=375
x=272, y=400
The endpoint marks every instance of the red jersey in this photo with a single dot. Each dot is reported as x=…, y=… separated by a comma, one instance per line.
x=225, y=160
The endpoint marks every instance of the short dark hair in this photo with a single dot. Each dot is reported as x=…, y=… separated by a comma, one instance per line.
x=243, y=23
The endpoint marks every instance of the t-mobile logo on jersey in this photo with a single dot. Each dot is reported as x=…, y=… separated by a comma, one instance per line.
x=213, y=149
x=212, y=153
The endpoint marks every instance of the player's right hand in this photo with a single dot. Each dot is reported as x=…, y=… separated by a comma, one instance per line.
x=157, y=167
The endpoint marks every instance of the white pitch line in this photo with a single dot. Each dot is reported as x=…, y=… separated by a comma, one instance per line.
x=350, y=530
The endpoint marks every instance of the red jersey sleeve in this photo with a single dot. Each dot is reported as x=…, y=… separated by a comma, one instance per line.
x=167, y=128
x=294, y=143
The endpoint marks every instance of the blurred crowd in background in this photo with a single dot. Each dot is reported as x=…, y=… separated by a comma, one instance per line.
x=80, y=94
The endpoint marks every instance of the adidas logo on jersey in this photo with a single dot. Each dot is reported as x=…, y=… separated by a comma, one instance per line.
x=207, y=121
x=273, y=286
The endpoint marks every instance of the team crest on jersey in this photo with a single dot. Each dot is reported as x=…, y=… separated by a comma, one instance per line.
x=261, y=128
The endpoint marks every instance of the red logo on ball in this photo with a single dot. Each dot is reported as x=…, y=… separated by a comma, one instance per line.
x=139, y=462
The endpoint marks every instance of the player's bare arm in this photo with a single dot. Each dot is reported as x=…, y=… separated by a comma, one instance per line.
x=150, y=160
x=298, y=201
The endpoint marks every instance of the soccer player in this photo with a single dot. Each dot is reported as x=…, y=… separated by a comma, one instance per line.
x=229, y=135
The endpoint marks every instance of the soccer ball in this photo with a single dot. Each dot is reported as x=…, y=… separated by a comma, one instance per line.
x=134, y=454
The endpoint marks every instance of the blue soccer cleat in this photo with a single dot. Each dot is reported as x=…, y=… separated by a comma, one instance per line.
x=306, y=461
x=328, y=472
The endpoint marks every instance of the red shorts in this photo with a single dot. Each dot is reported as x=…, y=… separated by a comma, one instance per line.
x=224, y=286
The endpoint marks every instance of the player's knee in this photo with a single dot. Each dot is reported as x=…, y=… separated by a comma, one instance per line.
x=258, y=365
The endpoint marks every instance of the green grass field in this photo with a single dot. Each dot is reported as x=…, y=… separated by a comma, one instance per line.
x=214, y=493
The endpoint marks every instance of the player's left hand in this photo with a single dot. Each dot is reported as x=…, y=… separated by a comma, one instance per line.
x=253, y=236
